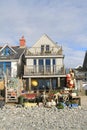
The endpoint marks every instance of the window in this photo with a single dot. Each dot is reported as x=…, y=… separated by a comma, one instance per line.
x=40, y=61
x=47, y=48
x=42, y=48
x=41, y=67
x=8, y=68
x=54, y=83
x=5, y=67
x=54, y=67
x=47, y=61
x=6, y=51
x=54, y=62
x=48, y=67
x=34, y=61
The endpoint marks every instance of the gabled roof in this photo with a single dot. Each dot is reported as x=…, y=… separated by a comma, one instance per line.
x=46, y=37
x=18, y=51
x=9, y=47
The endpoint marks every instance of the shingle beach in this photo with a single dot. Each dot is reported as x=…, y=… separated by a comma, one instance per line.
x=41, y=118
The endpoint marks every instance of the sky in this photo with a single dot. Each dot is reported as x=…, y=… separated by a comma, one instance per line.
x=64, y=21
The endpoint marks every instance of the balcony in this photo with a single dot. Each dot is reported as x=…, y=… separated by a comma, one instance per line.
x=36, y=51
x=43, y=70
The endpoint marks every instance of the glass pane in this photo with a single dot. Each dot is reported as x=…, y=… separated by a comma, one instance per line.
x=53, y=61
x=42, y=48
x=47, y=47
x=47, y=61
x=7, y=68
x=6, y=51
x=41, y=62
x=34, y=61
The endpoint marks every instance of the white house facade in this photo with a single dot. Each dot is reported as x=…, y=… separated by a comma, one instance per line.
x=44, y=65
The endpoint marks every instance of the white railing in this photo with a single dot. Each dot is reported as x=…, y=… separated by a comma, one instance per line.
x=43, y=70
x=38, y=51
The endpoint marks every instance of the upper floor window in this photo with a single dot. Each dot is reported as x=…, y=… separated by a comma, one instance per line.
x=34, y=61
x=47, y=61
x=40, y=61
x=6, y=51
x=54, y=62
x=42, y=48
x=47, y=48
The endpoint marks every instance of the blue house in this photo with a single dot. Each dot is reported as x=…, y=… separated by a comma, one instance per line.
x=12, y=60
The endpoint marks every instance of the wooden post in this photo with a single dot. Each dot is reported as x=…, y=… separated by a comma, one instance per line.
x=29, y=84
x=58, y=81
x=5, y=88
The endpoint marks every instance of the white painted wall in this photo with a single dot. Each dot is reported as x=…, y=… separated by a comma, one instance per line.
x=36, y=48
x=59, y=61
x=29, y=62
x=44, y=40
x=13, y=69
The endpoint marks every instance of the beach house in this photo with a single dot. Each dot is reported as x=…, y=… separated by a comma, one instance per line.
x=12, y=59
x=44, y=67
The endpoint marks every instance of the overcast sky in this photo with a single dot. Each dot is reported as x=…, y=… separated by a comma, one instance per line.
x=64, y=21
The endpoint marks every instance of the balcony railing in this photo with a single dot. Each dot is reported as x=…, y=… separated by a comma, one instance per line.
x=43, y=70
x=38, y=51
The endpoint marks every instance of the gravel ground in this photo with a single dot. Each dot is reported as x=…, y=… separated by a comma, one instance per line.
x=41, y=118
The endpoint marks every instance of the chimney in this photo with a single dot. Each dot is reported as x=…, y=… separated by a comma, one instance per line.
x=22, y=42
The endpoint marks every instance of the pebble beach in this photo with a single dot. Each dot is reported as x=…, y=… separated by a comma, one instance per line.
x=13, y=117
